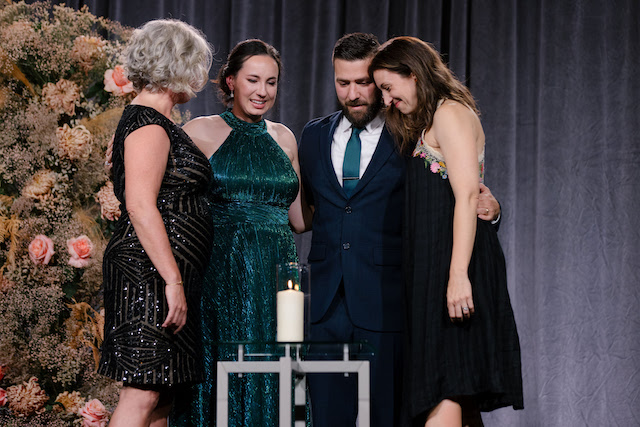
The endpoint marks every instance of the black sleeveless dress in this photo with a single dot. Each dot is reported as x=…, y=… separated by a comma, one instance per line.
x=136, y=348
x=480, y=357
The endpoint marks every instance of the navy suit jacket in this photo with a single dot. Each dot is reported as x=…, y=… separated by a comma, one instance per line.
x=356, y=239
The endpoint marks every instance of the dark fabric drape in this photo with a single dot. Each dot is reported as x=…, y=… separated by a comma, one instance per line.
x=558, y=86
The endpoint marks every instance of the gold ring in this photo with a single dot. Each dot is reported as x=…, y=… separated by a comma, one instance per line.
x=487, y=211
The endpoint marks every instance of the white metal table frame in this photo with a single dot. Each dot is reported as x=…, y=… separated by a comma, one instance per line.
x=286, y=366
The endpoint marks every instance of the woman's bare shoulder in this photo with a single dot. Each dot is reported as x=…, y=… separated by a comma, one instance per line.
x=282, y=134
x=208, y=133
x=204, y=124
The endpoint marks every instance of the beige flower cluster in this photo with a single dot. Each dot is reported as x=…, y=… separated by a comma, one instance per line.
x=74, y=143
x=27, y=398
x=109, y=204
x=86, y=50
x=62, y=96
x=23, y=33
x=72, y=402
x=41, y=185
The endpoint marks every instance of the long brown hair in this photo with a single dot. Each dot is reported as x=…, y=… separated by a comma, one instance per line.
x=411, y=56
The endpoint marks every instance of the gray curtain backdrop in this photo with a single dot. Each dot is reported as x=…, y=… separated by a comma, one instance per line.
x=558, y=85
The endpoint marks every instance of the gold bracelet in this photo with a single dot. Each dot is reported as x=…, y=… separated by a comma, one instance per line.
x=180, y=283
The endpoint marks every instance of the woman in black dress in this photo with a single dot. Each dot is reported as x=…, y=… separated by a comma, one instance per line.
x=154, y=262
x=463, y=351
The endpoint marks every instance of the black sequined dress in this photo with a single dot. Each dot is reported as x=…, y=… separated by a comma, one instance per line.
x=136, y=348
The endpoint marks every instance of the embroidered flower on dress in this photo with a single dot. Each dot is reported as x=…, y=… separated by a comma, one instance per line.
x=430, y=160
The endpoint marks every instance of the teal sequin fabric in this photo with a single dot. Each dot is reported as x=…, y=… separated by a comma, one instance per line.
x=253, y=186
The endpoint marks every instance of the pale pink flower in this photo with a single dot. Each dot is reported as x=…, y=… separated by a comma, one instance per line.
x=3, y=397
x=41, y=249
x=62, y=96
x=74, y=143
x=80, y=249
x=435, y=167
x=94, y=414
x=27, y=398
x=116, y=82
x=109, y=204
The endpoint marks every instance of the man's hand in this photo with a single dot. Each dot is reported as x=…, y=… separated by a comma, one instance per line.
x=488, y=206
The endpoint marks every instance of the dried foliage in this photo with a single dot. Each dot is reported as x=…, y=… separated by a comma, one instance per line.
x=57, y=116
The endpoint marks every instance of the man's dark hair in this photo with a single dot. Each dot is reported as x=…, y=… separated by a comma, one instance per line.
x=355, y=46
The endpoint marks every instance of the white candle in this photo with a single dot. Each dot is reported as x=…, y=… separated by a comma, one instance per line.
x=290, y=315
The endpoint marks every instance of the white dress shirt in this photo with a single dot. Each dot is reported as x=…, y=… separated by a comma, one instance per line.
x=369, y=138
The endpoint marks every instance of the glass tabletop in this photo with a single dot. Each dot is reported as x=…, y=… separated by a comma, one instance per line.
x=307, y=350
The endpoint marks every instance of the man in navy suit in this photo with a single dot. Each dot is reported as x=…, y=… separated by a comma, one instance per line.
x=356, y=247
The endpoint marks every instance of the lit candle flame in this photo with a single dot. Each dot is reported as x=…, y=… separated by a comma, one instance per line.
x=290, y=284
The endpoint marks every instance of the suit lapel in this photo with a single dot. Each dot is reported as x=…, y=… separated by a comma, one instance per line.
x=384, y=149
x=326, y=139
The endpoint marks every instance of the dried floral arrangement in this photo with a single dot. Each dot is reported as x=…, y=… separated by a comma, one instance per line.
x=62, y=91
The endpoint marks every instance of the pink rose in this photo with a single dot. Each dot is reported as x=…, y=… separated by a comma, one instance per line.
x=435, y=167
x=80, y=250
x=41, y=249
x=116, y=82
x=94, y=414
x=3, y=397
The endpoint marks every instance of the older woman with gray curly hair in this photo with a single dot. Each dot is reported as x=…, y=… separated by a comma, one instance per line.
x=154, y=262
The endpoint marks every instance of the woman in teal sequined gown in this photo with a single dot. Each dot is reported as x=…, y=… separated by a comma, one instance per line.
x=255, y=203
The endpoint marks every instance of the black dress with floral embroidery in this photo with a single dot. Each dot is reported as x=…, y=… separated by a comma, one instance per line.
x=480, y=357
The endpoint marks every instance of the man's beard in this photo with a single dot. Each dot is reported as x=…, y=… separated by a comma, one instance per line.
x=361, y=119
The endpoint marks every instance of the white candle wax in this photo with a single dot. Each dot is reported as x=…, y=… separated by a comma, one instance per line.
x=290, y=315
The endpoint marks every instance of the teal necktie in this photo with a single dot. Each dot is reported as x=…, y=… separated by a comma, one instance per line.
x=351, y=164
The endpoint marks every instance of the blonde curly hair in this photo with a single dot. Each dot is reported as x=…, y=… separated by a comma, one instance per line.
x=168, y=54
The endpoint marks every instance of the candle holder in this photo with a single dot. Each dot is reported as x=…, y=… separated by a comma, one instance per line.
x=292, y=301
